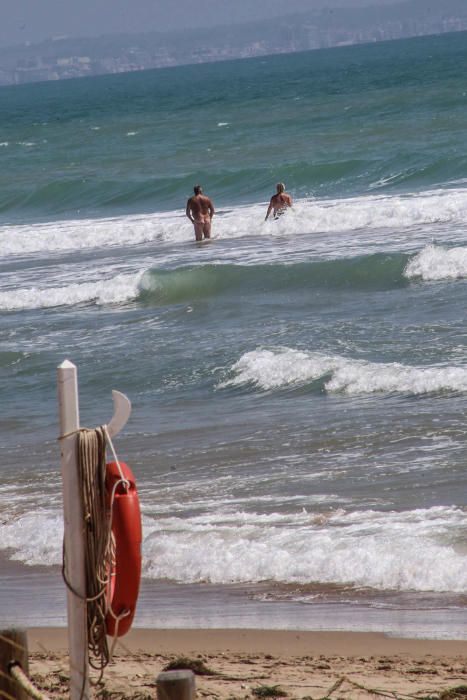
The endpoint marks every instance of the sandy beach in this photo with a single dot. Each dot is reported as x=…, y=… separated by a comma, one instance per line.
x=242, y=663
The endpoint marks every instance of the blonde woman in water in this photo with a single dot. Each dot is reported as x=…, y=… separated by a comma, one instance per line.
x=280, y=202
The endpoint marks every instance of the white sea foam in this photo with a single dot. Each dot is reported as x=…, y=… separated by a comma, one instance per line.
x=402, y=551
x=34, y=538
x=438, y=263
x=91, y=233
x=412, y=550
x=362, y=214
x=393, y=211
x=109, y=291
x=286, y=367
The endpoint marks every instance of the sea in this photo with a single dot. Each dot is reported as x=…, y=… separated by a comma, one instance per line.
x=299, y=386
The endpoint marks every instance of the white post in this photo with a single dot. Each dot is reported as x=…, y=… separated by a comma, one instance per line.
x=73, y=533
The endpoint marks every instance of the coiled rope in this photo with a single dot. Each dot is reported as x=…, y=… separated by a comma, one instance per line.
x=91, y=446
x=99, y=546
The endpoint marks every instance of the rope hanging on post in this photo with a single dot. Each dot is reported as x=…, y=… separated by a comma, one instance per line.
x=109, y=501
x=97, y=539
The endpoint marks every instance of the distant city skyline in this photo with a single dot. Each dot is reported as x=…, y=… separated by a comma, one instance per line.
x=62, y=57
x=30, y=21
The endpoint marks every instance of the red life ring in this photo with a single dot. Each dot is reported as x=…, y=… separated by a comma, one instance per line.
x=125, y=573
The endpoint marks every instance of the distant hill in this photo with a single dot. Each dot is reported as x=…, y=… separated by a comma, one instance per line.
x=66, y=58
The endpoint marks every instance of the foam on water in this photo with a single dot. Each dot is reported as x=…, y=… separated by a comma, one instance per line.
x=85, y=234
x=402, y=551
x=285, y=367
x=438, y=263
x=415, y=550
x=393, y=211
x=34, y=538
x=107, y=291
x=399, y=212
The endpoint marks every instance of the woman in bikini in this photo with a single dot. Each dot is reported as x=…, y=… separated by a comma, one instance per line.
x=280, y=202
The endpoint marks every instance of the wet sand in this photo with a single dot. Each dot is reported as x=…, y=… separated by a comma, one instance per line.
x=35, y=597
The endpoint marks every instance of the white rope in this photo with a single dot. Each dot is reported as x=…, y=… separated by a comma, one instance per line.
x=125, y=482
x=26, y=684
x=126, y=485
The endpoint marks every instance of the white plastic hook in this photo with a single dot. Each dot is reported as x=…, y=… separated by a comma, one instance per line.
x=122, y=411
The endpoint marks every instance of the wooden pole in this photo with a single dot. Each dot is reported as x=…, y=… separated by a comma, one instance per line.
x=176, y=685
x=73, y=531
x=13, y=648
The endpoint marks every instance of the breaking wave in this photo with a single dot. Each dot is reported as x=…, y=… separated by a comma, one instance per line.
x=397, y=212
x=285, y=367
x=110, y=291
x=413, y=550
x=438, y=263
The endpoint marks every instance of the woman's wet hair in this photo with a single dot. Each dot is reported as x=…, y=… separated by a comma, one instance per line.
x=280, y=187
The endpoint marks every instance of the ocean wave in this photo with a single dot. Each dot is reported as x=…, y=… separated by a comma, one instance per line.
x=184, y=284
x=372, y=272
x=397, y=212
x=110, y=291
x=438, y=263
x=85, y=234
x=281, y=368
x=412, y=550
x=34, y=538
x=239, y=181
x=393, y=211
x=380, y=271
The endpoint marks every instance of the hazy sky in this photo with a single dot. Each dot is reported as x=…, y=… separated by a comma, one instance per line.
x=35, y=20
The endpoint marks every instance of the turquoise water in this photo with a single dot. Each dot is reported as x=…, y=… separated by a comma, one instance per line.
x=331, y=123
x=298, y=387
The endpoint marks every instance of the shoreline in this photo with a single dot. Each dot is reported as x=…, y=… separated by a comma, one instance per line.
x=39, y=601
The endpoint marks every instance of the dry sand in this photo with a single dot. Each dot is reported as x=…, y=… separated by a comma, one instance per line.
x=302, y=664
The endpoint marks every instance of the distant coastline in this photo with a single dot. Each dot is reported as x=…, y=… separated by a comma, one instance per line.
x=61, y=58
